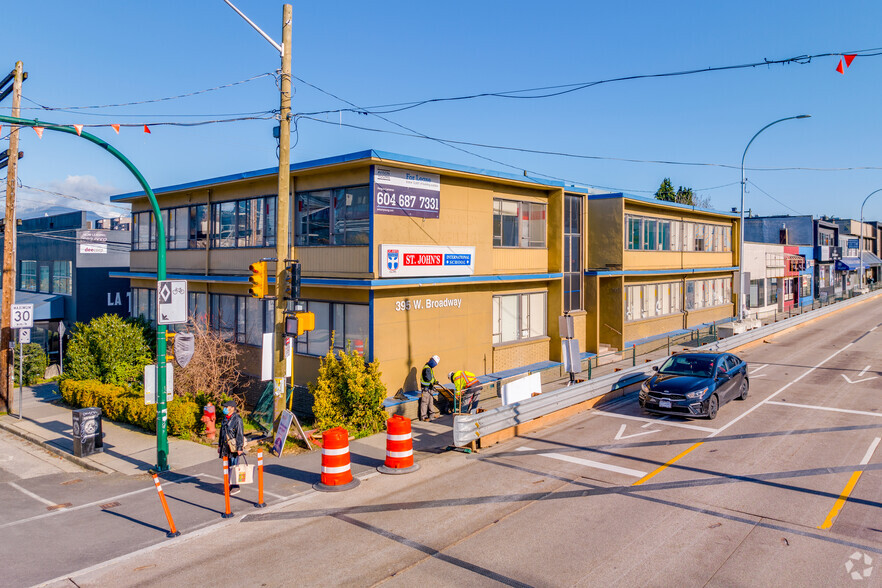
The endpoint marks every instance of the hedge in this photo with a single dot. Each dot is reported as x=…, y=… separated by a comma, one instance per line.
x=122, y=405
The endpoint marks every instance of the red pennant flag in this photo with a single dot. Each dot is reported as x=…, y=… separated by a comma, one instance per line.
x=849, y=59
x=39, y=131
x=839, y=67
x=115, y=128
x=146, y=130
x=79, y=129
x=1, y=129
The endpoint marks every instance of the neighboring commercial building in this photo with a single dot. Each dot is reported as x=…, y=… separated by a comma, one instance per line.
x=812, y=264
x=857, y=255
x=63, y=267
x=764, y=267
x=405, y=258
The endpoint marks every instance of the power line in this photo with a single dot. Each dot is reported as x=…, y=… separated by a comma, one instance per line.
x=558, y=90
x=775, y=199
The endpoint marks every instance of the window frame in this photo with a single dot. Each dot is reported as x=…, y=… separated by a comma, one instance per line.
x=526, y=236
x=524, y=308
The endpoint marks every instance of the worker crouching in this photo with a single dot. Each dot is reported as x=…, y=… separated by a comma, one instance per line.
x=467, y=391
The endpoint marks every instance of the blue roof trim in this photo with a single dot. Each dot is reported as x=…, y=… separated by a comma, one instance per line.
x=384, y=156
x=700, y=270
x=345, y=282
x=658, y=202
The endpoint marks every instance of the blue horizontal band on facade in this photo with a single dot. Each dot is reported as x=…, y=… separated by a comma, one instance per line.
x=700, y=270
x=345, y=282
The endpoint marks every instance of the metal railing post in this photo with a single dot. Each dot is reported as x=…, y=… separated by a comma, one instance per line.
x=634, y=354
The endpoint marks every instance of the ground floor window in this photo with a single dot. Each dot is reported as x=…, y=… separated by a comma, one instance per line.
x=825, y=276
x=773, y=290
x=644, y=301
x=707, y=293
x=757, y=293
x=805, y=286
x=519, y=316
x=243, y=319
x=144, y=303
x=349, y=324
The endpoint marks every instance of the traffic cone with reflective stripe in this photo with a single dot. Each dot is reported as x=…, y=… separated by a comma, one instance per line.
x=336, y=472
x=399, y=447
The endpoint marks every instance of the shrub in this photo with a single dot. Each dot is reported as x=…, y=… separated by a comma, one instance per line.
x=213, y=373
x=123, y=405
x=349, y=393
x=34, y=363
x=107, y=349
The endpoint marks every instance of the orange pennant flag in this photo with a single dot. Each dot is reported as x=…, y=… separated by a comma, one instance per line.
x=849, y=59
x=115, y=128
x=146, y=130
x=839, y=67
x=39, y=131
x=79, y=129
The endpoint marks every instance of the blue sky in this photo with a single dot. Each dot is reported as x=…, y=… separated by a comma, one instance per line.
x=99, y=53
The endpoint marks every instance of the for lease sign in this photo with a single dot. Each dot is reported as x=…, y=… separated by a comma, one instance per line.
x=406, y=192
x=402, y=261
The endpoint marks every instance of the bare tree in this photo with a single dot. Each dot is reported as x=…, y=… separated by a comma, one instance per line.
x=214, y=368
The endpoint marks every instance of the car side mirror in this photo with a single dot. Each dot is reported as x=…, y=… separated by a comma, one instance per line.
x=655, y=368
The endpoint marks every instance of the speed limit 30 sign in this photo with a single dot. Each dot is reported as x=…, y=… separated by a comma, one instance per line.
x=22, y=316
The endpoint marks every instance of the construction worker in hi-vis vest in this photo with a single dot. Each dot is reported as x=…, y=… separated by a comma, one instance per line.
x=427, y=381
x=467, y=389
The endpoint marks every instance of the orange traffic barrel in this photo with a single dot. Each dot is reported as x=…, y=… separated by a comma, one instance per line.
x=399, y=447
x=336, y=471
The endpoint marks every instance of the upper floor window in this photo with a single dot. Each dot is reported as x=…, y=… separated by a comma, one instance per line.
x=658, y=234
x=518, y=224
x=244, y=223
x=339, y=216
x=143, y=231
x=28, y=279
x=61, y=278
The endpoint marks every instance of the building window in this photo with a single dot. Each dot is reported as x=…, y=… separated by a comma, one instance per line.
x=708, y=293
x=197, y=306
x=61, y=277
x=805, y=286
x=643, y=301
x=656, y=234
x=518, y=224
x=773, y=290
x=198, y=226
x=239, y=223
x=28, y=279
x=519, y=316
x=143, y=231
x=43, y=279
x=757, y=294
x=339, y=216
x=572, y=250
x=144, y=303
x=347, y=322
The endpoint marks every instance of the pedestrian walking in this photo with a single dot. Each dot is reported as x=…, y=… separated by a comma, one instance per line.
x=231, y=442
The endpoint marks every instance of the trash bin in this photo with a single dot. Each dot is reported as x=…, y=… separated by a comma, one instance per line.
x=87, y=435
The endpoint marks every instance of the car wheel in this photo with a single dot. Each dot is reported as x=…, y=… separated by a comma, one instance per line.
x=713, y=404
x=744, y=386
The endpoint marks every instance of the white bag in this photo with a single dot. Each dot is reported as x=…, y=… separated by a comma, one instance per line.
x=242, y=473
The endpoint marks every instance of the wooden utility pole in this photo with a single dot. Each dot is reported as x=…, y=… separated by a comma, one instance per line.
x=283, y=247
x=7, y=389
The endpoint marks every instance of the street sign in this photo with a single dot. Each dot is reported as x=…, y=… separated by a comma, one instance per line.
x=22, y=316
x=61, y=329
x=150, y=383
x=24, y=336
x=171, y=302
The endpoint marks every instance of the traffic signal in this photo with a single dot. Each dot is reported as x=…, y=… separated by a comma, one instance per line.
x=300, y=323
x=259, y=279
x=292, y=281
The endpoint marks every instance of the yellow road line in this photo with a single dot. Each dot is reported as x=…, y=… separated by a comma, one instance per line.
x=665, y=465
x=840, y=502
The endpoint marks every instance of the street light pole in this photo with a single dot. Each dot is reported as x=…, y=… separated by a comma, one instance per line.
x=741, y=226
x=861, y=243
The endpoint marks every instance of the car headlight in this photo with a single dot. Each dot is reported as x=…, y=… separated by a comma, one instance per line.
x=645, y=386
x=696, y=393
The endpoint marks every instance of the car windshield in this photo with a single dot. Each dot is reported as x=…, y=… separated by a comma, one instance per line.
x=688, y=365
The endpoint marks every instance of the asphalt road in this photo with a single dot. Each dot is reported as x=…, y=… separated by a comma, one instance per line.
x=610, y=497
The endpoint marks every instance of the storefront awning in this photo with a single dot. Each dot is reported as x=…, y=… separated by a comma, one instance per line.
x=848, y=264
x=47, y=307
x=870, y=260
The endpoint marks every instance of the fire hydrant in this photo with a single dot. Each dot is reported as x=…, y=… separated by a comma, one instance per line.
x=208, y=419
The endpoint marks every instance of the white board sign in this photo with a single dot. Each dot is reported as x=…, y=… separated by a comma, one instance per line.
x=521, y=389
x=22, y=316
x=171, y=302
x=403, y=261
x=150, y=383
x=24, y=336
x=266, y=358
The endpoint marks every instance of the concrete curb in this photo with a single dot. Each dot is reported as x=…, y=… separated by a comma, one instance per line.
x=84, y=463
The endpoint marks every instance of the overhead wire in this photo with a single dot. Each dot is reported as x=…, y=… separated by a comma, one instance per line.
x=790, y=208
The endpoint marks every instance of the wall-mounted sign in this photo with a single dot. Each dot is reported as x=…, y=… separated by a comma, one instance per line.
x=427, y=303
x=402, y=261
x=406, y=193
x=853, y=243
x=93, y=242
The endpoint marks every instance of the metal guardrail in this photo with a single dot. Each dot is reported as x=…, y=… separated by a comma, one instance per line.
x=469, y=428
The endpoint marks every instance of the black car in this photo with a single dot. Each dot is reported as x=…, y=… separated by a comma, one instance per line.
x=695, y=384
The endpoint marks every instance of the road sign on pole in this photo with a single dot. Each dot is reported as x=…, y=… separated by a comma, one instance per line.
x=24, y=336
x=22, y=316
x=171, y=303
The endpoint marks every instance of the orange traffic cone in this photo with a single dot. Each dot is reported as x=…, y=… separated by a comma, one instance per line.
x=399, y=447
x=336, y=472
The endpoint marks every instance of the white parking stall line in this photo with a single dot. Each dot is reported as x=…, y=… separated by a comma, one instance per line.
x=589, y=463
x=781, y=389
x=95, y=503
x=655, y=421
x=31, y=494
x=827, y=408
x=757, y=369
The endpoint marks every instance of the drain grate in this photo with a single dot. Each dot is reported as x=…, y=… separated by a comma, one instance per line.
x=71, y=482
x=108, y=505
x=59, y=506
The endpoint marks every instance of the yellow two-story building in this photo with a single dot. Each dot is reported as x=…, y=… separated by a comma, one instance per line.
x=404, y=258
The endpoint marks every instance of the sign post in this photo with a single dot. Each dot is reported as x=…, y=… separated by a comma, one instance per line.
x=61, y=331
x=22, y=319
x=171, y=309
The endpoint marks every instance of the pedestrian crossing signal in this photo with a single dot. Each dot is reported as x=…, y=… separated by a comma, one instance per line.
x=259, y=280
